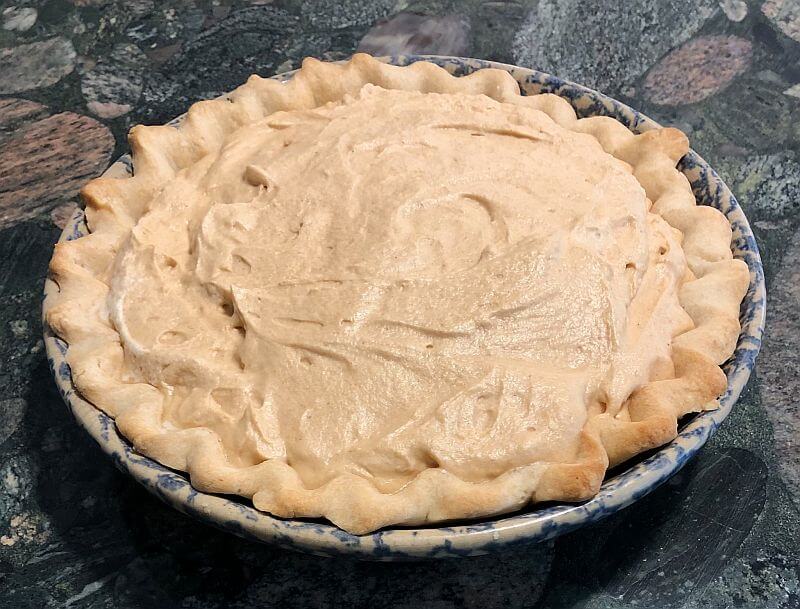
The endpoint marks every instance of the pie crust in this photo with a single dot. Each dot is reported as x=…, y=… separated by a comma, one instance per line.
x=106, y=371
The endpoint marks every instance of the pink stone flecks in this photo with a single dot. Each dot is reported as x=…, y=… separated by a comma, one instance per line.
x=44, y=163
x=108, y=109
x=63, y=213
x=408, y=33
x=785, y=15
x=698, y=69
x=15, y=111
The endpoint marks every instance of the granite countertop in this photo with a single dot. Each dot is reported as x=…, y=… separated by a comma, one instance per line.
x=76, y=75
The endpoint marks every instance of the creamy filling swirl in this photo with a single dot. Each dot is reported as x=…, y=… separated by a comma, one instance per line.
x=399, y=281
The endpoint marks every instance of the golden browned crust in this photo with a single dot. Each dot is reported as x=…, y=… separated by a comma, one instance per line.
x=711, y=294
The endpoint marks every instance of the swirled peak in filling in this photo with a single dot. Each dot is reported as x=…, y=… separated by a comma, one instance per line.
x=396, y=282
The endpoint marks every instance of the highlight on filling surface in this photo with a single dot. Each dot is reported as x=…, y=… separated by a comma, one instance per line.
x=386, y=295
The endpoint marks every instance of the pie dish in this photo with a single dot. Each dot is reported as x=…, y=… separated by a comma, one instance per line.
x=689, y=379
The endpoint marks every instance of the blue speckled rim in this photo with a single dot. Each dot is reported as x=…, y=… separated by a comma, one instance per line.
x=479, y=537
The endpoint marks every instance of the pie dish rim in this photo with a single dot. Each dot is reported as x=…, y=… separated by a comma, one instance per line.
x=532, y=524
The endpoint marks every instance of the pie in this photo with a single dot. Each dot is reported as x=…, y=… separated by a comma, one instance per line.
x=390, y=296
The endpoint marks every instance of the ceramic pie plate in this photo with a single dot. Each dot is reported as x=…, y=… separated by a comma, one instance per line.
x=630, y=483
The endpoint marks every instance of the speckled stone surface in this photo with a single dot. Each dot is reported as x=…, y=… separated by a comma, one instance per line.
x=74, y=76
x=700, y=68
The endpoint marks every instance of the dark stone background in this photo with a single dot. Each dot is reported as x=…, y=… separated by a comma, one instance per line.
x=74, y=76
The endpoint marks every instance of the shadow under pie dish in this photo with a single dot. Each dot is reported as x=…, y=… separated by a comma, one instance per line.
x=385, y=295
